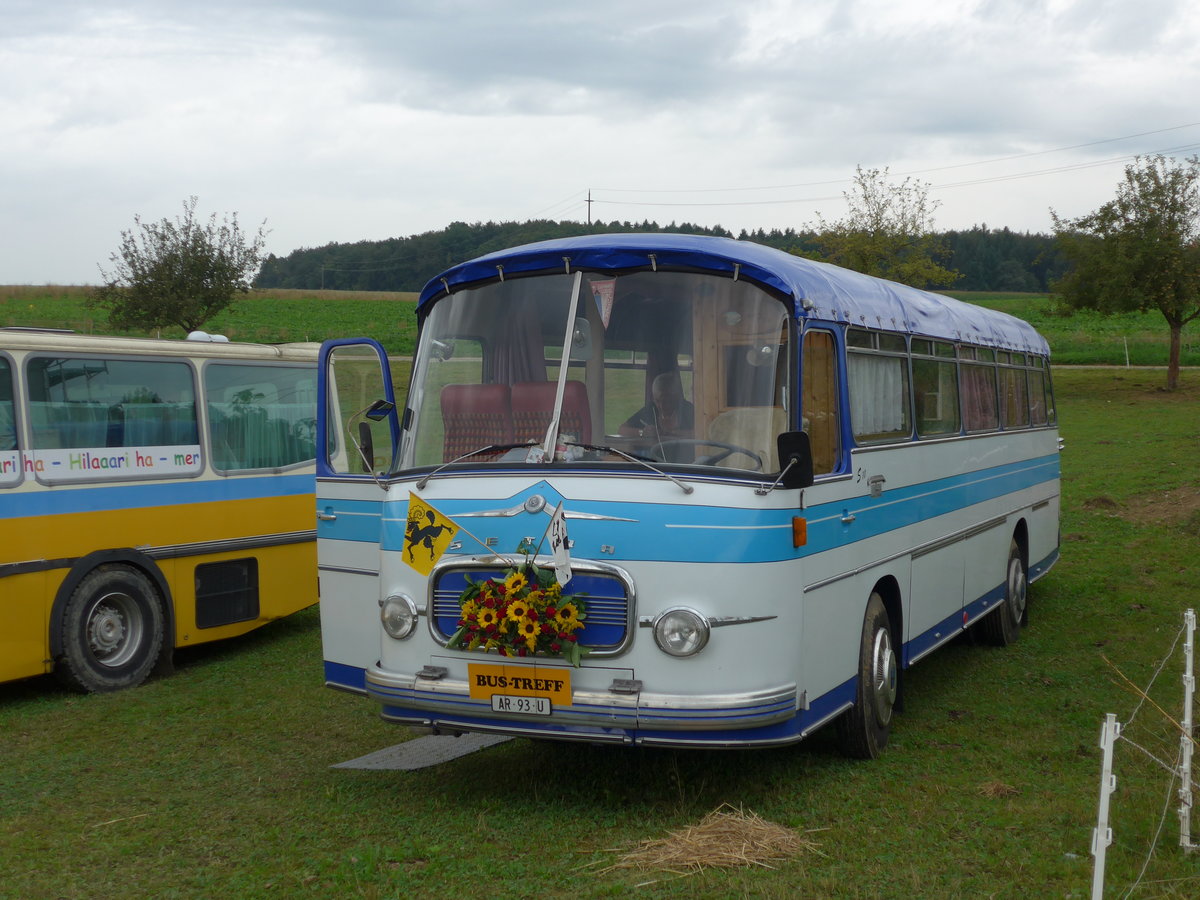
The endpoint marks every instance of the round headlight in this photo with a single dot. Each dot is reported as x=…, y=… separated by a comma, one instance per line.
x=681, y=631
x=399, y=616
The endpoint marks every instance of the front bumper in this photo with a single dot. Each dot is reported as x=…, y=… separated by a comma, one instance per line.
x=624, y=713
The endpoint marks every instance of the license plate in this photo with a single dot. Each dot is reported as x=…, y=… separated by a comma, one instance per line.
x=551, y=684
x=529, y=706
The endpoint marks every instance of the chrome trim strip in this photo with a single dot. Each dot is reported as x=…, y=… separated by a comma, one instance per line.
x=923, y=549
x=173, y=551
x=713, y=621
x=346, y=570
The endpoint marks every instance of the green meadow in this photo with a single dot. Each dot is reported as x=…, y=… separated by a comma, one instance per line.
x=216, y=781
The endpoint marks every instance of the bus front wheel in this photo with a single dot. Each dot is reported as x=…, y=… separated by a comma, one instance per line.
x=1003, y=626
x=863, y=729
x=112, y=631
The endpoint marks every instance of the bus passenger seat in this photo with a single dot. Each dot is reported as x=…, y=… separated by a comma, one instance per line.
x=533, y=406
x=475, y=415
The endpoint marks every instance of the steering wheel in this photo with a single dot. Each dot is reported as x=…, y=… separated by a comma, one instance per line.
x=660, y=449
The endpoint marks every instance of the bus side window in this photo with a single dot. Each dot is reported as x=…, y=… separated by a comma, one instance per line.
x=819, y=404
x=10, y=459
x=8, y=420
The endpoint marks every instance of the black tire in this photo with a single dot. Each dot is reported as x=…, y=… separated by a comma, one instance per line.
x=863, y=729
x=112, y=631
x=1002, y=626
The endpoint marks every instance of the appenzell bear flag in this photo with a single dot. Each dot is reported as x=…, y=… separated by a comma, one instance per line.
x=427, y=534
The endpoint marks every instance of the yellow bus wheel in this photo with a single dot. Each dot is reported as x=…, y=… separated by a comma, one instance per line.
x=112, y=631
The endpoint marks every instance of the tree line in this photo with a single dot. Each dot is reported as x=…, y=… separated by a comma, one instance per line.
x=977, y=259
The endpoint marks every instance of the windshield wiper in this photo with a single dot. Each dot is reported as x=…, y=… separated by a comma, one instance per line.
x=490, y=448
x=640, y=460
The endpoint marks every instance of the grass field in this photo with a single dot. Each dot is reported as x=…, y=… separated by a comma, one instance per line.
x=1083, y=338
x=216, y=781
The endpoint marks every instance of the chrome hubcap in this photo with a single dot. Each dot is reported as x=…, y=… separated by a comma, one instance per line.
x=1018, y=588
x=884, y=679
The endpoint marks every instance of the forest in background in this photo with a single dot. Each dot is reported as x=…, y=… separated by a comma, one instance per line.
x=986, y=259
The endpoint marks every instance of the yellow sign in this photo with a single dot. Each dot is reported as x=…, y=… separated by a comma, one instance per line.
x=427, y=534
x=552, y=682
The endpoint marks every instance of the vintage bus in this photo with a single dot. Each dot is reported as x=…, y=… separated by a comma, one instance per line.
x=154, y=494
x=782, y=484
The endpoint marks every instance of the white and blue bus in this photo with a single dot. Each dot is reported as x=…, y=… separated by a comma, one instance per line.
x=782, y=483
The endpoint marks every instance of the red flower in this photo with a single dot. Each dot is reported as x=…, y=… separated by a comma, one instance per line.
x=532, y=615
x=547, y=628
x=551, y=612
x=556, y=647
x=572, y=638
x=490, y=603
x=522, y=652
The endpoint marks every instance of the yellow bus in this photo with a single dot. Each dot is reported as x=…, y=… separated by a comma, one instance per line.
x=154, y=494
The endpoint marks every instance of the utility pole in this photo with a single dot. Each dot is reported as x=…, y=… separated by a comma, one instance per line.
x=589, y=206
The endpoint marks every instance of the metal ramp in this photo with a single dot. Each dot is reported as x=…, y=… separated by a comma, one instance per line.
x=423, y=752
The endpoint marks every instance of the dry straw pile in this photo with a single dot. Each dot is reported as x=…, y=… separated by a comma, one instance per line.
x=725, y=838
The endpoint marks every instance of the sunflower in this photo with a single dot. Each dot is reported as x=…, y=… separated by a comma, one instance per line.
x=529, y=630
x=515, y=582
x=486, y=617
x=518, y=610
x=568, y=617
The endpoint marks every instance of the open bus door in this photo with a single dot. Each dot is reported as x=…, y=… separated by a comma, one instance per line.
x=361, y=429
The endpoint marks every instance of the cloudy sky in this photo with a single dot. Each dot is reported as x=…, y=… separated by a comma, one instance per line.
x=367, y=119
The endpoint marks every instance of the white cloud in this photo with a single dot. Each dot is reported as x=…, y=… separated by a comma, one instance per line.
x=381, y=119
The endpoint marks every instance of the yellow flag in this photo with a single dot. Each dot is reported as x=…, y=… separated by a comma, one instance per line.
x=427, y=534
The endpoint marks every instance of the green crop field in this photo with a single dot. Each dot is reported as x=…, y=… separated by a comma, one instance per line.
x=1083, y=338
x=216, y=781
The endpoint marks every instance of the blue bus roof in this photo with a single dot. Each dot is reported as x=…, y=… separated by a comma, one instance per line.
x=817, y=290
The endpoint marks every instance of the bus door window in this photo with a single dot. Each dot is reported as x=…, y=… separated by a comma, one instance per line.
x=819, y=400
x=355, y=382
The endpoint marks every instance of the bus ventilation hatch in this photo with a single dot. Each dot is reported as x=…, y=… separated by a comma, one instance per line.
x=226, y=592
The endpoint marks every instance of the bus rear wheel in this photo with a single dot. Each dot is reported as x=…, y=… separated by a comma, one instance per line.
x=112, y=631
x=863, y=729
x=1003, y=626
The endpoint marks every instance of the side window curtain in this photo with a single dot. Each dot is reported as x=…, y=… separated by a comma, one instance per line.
x=819, y=399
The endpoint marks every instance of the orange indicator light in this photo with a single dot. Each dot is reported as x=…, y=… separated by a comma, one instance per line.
x=799, y=531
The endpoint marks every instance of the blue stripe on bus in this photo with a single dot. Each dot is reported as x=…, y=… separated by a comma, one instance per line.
x=697, y=533
x=61, y=500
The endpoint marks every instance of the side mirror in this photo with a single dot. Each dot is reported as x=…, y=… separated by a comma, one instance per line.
x=795, y=459
x=581, y=340
x=379, y=410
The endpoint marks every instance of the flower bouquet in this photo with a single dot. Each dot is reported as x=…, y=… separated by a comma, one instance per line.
x=521, y=613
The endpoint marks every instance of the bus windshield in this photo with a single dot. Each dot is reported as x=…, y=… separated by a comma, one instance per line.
x=676, y=368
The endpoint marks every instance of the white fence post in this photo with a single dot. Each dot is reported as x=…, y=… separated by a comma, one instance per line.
x=1185, y=738
x=1102, y=834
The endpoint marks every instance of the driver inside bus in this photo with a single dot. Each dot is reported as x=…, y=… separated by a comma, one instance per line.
x=668, y=416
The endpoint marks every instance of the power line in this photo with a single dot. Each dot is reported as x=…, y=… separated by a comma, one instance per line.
x=984, y=162
x=993, y=179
